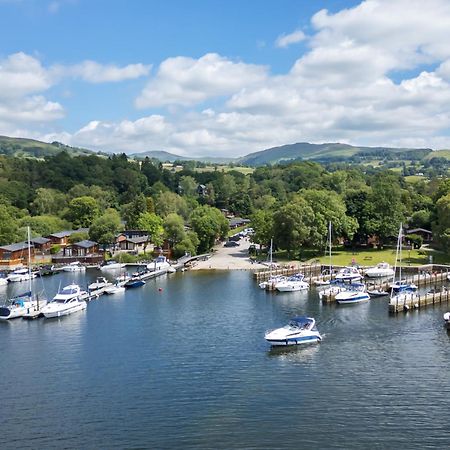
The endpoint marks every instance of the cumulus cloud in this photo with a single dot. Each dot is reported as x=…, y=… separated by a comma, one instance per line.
x=187, y=81
x=93, y=72
x=285, y=40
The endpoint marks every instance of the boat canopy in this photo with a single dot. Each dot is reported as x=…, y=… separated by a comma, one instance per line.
x=25, y=294
x=301, y=320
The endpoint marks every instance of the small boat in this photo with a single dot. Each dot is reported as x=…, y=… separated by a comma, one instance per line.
x=21, y=275
x=292, y=284
x=160, y=263
x=272, y=281
x=114, y=289
x=20, y=305
x=333, y=289
x=382, y=269
x=377, y=292
x=355, y=293
x=134, y=283
x=447, y=320
x=299, y=330
x=45, y=271
x=111, y=265
x=100, y=283
x=403, y=285
x=75, y=266
x=65, y=302
x=348, y=274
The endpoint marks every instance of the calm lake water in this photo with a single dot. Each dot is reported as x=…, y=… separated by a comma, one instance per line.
x=188, y=367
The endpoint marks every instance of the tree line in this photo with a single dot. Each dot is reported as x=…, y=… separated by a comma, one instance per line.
x=289, y=203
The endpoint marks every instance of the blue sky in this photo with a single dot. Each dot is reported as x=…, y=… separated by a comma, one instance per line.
x=225, y=77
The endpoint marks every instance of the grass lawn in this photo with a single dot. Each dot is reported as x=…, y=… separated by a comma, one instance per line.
x=368, y=257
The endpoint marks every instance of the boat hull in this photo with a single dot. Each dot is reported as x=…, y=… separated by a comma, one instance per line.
x=351, y=299
x=301, y=340
x=51, y=313
x=291, y=287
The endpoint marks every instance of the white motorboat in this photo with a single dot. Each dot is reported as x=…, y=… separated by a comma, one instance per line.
x=272, y=281
x=114, y=289
x=377, y=292
x=160, y=263
x=447, y=320
x=349, y=274
x=327, y=272
x=402, y=285
x=75, y=266
x=112, y=265
x=292, y=284
x=100, y=283
x=299, y=330
x=22, y=274
x=59, y=308
x=354, y=293
x=20, y=306
x=66, y=301
x=382, y=269
x=331, y=291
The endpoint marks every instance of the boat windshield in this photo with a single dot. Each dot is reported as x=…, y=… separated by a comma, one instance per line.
x=69, y=290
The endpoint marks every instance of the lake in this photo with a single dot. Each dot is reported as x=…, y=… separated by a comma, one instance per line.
x=182, y=363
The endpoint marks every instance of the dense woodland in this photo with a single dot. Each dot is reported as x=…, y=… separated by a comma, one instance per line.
x=291, y=203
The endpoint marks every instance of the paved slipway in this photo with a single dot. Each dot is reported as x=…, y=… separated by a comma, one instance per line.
x=229, y=258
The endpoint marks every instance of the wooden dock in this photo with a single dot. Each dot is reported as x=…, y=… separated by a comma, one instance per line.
x=417, y=301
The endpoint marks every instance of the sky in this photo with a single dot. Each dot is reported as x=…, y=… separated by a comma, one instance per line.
x=225, y=77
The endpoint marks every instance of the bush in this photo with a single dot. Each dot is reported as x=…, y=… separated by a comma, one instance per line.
x=55, y=249
x=415, y=240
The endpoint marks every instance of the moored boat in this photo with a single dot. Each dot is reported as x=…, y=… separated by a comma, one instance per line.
x=22, y=274
x=100, y=283
x=111, y=265
x=354, y=293
x=65, y=302
x=348, y=274
x=20, y=305
x=292, y=284
x=447, y=320
x=382, y=269
x=299, y=330
x=134, y=282
x=75, y=266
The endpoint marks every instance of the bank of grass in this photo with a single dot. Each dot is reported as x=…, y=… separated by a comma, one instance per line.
x=366, y=257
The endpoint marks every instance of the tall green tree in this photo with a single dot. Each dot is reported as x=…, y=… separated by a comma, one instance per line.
x=82, y=211
x=153, y=225
x=105, y=228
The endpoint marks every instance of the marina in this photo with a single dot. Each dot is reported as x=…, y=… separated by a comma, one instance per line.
x=196, y=335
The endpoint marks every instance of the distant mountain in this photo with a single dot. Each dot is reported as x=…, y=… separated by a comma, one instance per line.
x=327, y=153
x=31, y=148
x=170, y=157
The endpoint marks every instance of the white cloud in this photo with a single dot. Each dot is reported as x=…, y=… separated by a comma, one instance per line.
x=93, y=72
x=285, y=40
x=187, y=81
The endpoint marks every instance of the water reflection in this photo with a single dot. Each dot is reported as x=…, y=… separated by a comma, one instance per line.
x=294, y=353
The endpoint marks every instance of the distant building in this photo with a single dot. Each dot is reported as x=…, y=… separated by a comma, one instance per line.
x=15, y=254
x=132, y=241
x=82, y=248
x=202, y=190
x=426, y=235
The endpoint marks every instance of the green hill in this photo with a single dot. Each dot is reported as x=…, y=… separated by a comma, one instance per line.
x=31, y=148
x=170, y=157
x=329, y=152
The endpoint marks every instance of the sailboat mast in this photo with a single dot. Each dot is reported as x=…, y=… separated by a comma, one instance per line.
x=29, y=258
x=400, y=237
x=329, y=243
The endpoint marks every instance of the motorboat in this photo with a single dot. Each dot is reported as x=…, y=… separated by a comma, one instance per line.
x=272, y=281
x=299, y=330
x=22, y=274
x=66, y=301
x=134, y=282
x=160, y=263
x=377, y=292
x=354, y=293
x=404, y=296
x=20, y=305
x=112, y=265
x=292, y=284
x=447, y=320
x=114, y=289
x=59, y=308
x=382, y=269
x=348, y=274
x=100, y=283
x=75, y=266
x=334, y=289
x=402, y=285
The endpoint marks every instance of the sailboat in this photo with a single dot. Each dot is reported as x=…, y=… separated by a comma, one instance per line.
x=23, y=305
x=321, y=281
x=273, y=279
x=400, y=289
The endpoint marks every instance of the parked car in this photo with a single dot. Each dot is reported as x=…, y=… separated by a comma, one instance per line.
x=231, y=244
